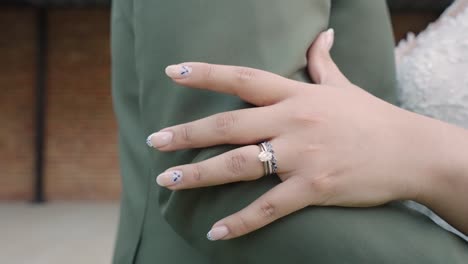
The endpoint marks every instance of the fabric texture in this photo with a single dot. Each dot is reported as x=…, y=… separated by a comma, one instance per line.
x=432, y=68
x=161, y=226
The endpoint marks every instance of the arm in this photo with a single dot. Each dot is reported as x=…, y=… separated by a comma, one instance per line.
x=444, y=186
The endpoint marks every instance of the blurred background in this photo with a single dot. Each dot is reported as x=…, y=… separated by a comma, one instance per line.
x=59, y=177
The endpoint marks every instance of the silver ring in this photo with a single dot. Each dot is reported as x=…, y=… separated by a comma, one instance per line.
x=268, y=158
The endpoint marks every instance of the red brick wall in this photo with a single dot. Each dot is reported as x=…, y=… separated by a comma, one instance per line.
x=81, y=160
x=81, y=151
x=16, y=103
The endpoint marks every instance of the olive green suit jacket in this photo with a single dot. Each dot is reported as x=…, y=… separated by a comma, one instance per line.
x=161, y=226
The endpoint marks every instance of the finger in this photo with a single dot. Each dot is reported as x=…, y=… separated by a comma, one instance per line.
x=255, y=86
x=322, y=68
x=243, y=126
x=278, y=202
x=241, y=164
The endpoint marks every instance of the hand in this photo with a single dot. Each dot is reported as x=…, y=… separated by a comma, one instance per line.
x=335, y=143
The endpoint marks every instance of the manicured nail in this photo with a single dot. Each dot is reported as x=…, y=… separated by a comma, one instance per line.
x=159, y=139
x=217, y=233
x=329, y=38
x=178, y=71
x=169, y=178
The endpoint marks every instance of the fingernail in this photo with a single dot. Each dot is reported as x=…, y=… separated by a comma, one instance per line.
x=217, y=233
x=159, y=139
x=169, y=178
x=178, y=71
x=329, y=38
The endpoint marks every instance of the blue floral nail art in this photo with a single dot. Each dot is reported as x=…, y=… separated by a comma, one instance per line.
x=185, y=70
x=176, y=176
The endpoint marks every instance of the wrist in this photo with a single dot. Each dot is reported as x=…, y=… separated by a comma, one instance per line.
x=441, y=159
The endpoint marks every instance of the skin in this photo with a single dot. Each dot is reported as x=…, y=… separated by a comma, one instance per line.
x=336, y=145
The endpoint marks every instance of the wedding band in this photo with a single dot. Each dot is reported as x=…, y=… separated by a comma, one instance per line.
x=268, y=158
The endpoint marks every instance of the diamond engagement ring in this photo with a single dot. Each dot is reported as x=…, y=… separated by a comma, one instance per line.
x=267, y=157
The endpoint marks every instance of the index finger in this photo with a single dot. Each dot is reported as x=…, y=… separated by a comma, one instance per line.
x=255, y=86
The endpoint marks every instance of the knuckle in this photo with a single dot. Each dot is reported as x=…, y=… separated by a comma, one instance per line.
x=186, y=132
x=322, y=76
x=206, y=72
x=209, y=73
x=244, y=74
x=268, y=210
x=235, y=163
x=310, y=148
x=306, y=117
x=322, y=188
x=314, y=58
x=242, y=226
x=196, y=172
x=318, y=57
x=224, y=123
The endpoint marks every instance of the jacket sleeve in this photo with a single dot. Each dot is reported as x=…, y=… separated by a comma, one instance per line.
x=273, y=35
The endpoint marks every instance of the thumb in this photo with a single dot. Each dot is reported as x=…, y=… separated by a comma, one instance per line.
x=322, y=68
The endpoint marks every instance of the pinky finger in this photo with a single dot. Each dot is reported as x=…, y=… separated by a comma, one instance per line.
x=285, y=198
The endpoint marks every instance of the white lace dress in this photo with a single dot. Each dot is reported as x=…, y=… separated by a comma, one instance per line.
x=432, y=74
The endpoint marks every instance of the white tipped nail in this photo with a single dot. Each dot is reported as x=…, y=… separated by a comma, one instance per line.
x=329, y=38
x=178, y=71
x=169, y=178
x=159, y=139
x=217, y=233
x=148, y=141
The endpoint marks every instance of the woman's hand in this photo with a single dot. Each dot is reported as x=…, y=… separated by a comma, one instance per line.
x=335, y=143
